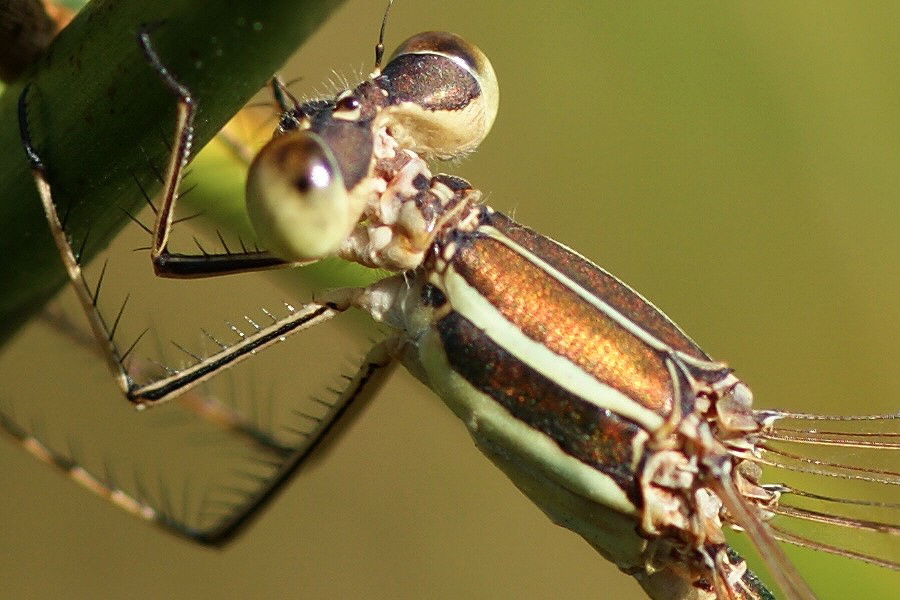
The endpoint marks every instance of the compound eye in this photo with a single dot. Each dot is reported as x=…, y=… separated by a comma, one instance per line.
x=443, y=94
x=296, y=198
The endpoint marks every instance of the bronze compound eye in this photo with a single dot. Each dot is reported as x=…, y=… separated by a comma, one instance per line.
x=443, y=95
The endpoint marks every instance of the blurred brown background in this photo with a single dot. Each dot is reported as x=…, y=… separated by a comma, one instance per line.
x=736, y=164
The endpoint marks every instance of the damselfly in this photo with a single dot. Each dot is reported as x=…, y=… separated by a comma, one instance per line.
x=448, y=292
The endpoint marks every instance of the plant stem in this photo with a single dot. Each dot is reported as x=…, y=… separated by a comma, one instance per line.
x=100, y=119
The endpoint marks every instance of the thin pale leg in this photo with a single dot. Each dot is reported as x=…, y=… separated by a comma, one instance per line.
x=169, y=387
x=200, y=402
x=231, y=520
x=165, y=263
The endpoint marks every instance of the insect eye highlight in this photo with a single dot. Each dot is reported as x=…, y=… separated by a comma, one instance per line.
x=317, y=177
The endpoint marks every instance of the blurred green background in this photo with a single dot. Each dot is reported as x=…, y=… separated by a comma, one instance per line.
x=736, y=163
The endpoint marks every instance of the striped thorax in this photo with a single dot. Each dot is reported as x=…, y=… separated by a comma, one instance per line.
x=360, y=158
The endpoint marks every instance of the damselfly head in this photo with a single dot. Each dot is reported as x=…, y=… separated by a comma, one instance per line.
x=331, y=161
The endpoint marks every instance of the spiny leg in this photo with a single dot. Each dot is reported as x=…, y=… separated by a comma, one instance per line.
x=325, y=431
x=203, y=403
x=101, y=332
x=229, y=523
x=230, y=517
x=234, y=520
x=181, y=381
x=165, y=263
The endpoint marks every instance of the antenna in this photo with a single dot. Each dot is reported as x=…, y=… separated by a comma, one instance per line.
x=379, y=47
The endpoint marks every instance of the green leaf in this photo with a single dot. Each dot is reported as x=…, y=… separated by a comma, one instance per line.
x=102, y=120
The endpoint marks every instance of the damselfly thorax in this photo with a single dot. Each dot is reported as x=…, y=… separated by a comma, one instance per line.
x=593, y=402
